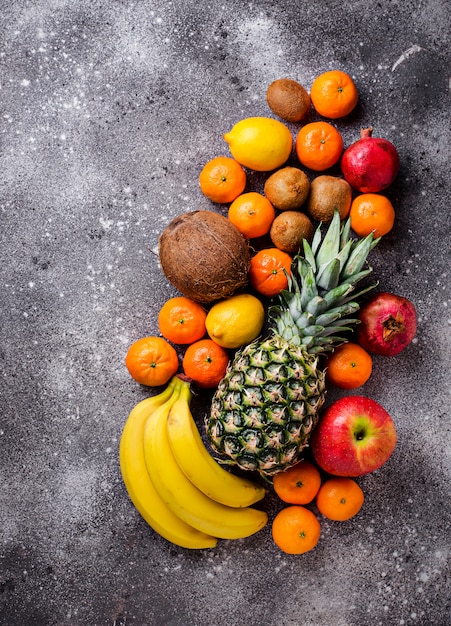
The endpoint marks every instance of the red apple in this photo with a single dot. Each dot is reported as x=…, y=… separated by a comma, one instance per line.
x=354, y=436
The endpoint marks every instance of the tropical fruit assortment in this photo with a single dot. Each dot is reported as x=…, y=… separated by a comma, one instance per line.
x=272, y=306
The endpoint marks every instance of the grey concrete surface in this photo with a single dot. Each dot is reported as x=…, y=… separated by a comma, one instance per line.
x=109, y=109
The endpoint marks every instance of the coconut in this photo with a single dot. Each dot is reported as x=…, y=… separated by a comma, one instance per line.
x=204, y=256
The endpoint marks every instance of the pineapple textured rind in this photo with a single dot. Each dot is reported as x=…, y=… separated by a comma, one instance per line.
x=267, y=405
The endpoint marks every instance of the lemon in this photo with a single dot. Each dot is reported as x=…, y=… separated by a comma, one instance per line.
x=260, y=143
x=236, y=321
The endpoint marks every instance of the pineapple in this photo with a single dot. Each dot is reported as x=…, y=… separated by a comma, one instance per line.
x=267, y=405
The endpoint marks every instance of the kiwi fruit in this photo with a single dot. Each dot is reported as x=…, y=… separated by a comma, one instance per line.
x=289, y=229
x=288, y=99
x=287, y=189
x=327, y=195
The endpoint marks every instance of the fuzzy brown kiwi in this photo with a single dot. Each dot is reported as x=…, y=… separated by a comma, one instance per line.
x=287, y=189
x=328, y=194
x=289, y=229
x=204, y=256
x=288, y=99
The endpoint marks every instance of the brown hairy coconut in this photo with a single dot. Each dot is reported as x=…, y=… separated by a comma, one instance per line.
x=204, y=256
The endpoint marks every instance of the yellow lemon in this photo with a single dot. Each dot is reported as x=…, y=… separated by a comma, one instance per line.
x=260, y=143
x=236, y=321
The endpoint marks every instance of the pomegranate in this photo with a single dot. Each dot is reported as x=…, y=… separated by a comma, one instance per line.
x=371, y=163
x=388, y=324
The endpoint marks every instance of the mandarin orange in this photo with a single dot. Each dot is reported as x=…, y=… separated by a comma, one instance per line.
x=205, y=362
x=269, y=270
x=334, y=94
x=339, y=498
x=151, y=361
x=252, y=214
x=296, y=530
x=222, y=179
x=318, y=145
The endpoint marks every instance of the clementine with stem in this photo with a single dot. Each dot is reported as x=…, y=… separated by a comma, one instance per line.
x=334, y=94
x=181, y=320
x=252, y=214
x=296, y=530
x=339, y=498
x=371, y=212
x=222, y=179
x=349, y=366
x=269, y=270
x=205, y=362
x=298, y=484
x=319, y=145
x=151, y=361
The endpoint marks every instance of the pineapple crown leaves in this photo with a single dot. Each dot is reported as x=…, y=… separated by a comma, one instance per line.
x=321, y=297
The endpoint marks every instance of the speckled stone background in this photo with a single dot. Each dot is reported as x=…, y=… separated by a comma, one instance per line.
x=109, y=109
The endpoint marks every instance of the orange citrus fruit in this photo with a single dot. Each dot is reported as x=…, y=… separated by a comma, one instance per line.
x=151, y=361
x=318, y=145
x=295, y=530
x=252, y=214
x=268, y=271
x=222, y=179
x=334, y=94
x=205, y=362
x=371, y=212
x=339, y=499
x=298, y=484
x=349, y=366
x=182, y=320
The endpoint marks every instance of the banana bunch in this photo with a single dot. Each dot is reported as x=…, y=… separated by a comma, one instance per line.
x=174, y=482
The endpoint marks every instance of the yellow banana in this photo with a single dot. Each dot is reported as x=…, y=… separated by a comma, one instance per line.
x=197, y=463
x=138, y=484
x=185, y=499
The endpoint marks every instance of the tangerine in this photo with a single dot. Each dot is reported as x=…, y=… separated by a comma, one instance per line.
x=205, y=362
x=349, y=366
x=269, y=270
x=318, y=145
x=295, y=530
x=151, y=361
x=298, y=484
x=182, y=320
x=252, y=214
x=339, y=499
x=371, y=212
x=334, y=94
x=222, y=179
